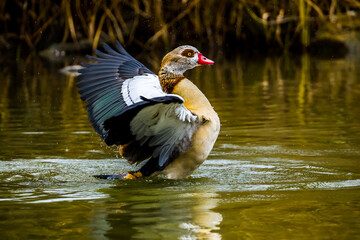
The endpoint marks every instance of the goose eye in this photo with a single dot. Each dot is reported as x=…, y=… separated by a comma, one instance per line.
x=188, y=53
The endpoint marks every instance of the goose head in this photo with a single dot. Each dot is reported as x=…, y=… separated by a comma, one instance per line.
x=183, y=58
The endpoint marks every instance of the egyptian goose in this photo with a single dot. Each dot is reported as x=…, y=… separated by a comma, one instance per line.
x=164, y=118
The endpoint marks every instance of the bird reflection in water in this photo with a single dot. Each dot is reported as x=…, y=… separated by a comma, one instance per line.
x=151, y=211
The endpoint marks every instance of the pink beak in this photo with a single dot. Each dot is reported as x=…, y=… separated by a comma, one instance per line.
x=203, y=60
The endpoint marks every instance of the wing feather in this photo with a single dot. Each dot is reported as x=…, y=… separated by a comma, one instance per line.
x=159, y=126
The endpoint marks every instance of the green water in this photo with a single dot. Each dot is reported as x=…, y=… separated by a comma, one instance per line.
x=286, y=164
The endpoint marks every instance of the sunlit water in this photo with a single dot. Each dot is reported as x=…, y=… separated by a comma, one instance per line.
x=285, y=166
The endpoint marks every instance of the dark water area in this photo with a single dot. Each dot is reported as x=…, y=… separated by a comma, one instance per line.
x=285, y=165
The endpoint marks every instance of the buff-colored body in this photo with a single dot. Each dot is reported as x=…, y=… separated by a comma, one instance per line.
x=203, y=139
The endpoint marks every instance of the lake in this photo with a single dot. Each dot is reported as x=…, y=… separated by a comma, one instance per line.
x=286, y=164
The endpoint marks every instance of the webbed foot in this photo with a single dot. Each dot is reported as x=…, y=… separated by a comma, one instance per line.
x=125, y=175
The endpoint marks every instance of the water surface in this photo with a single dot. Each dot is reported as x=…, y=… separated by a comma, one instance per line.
x=285, y=166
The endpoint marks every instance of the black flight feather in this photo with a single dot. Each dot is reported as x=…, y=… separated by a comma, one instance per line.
x=118, y=126
x=101, y=83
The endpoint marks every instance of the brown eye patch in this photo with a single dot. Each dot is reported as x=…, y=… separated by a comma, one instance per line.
x=188, y=53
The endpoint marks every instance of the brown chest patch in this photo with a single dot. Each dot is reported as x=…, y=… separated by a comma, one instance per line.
x=169, y=80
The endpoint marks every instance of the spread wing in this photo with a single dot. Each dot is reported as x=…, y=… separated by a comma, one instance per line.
x=115, y=81
x=126, y=106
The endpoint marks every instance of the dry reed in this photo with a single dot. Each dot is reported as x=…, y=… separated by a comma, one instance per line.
x=149, y=23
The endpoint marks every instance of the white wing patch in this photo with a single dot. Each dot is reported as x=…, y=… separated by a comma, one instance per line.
x=147, y=85
x=167, y=126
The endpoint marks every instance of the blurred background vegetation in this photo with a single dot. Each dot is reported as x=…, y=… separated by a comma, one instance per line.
x=279, y=25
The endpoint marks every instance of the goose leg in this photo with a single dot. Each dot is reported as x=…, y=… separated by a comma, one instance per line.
x=125, y=175
x=150, y=167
